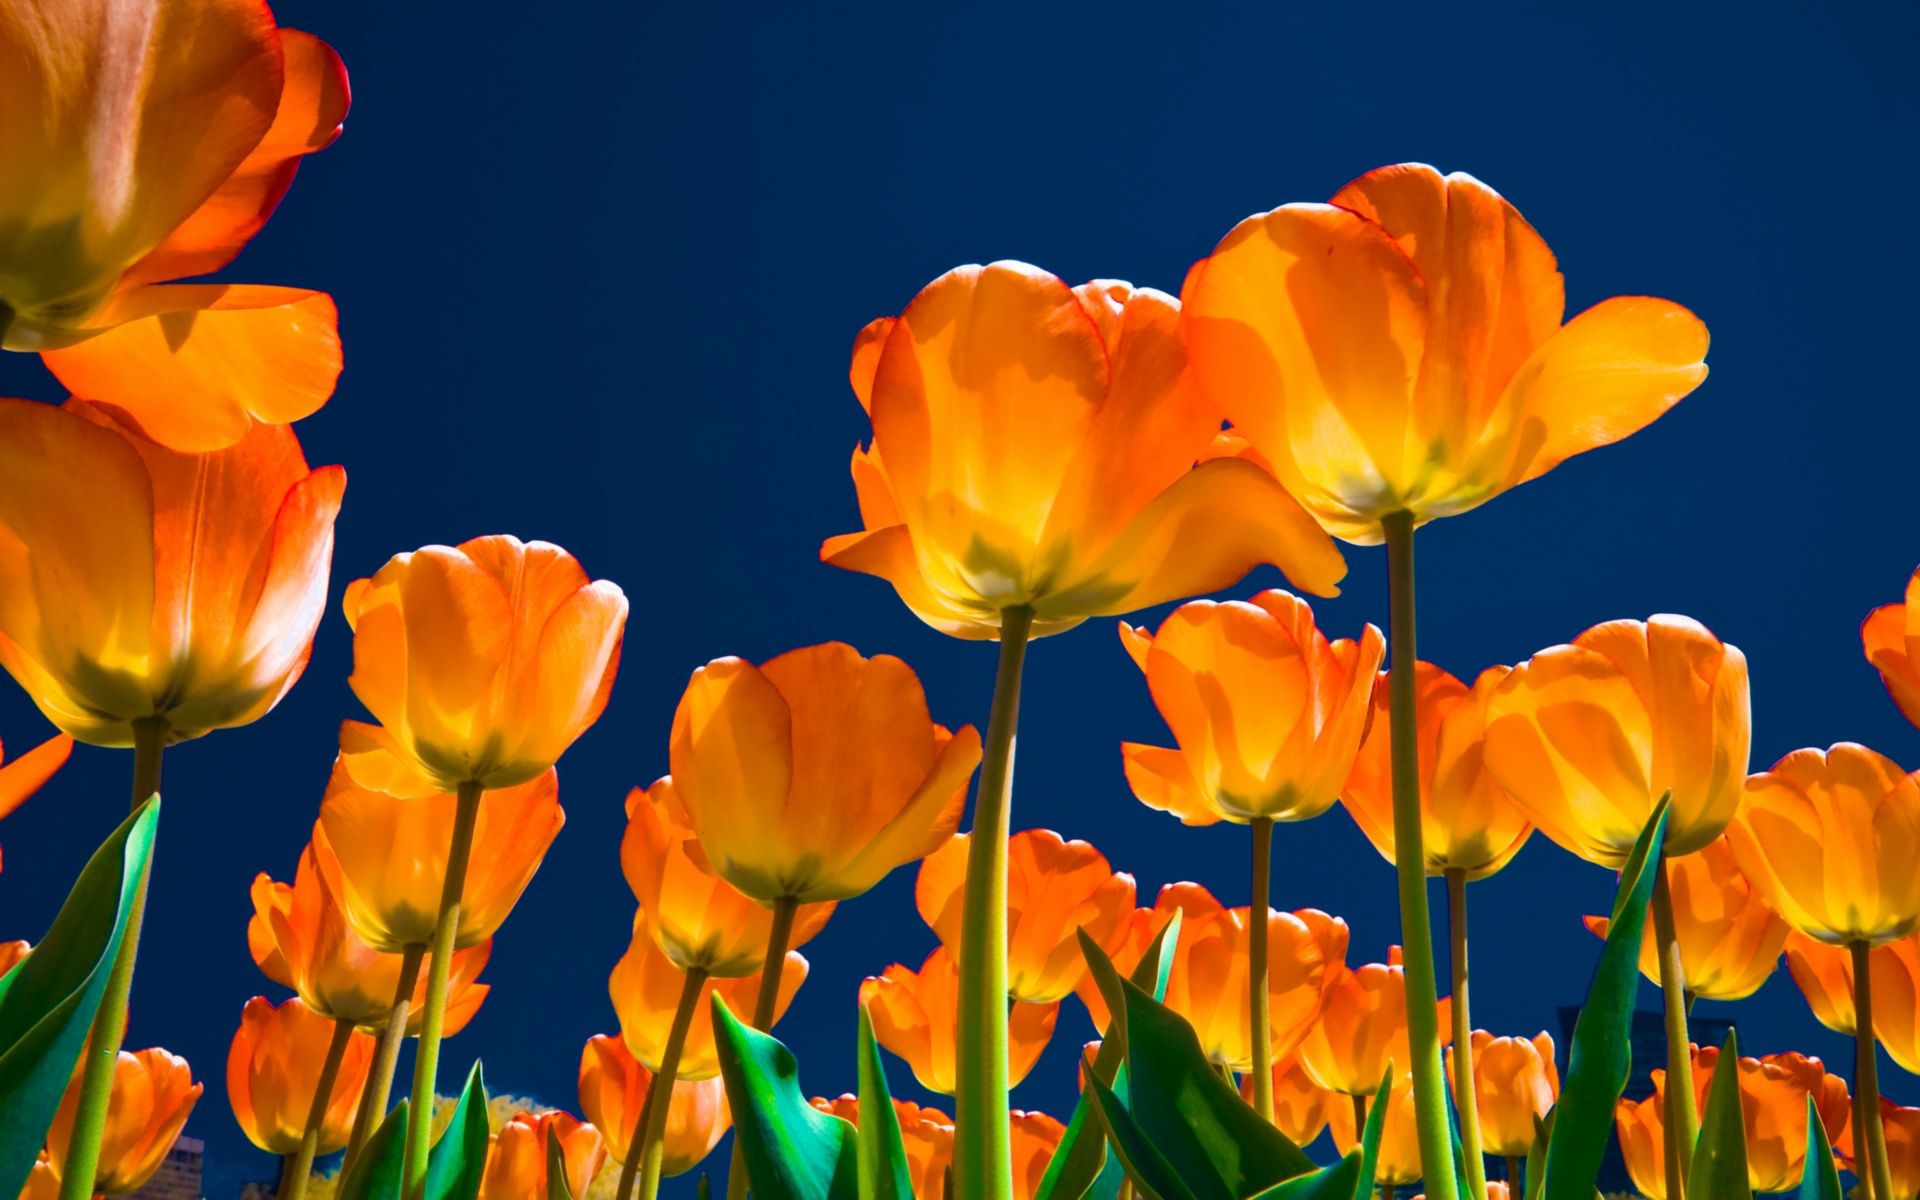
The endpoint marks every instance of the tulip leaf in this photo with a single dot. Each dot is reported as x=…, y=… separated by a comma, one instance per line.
x=48, y=1000
x=880, y=1153
x=1337, y=1182
x=1537, y=1153
x=1600, y=1056
x=793, y=1150
x=1720, y=1154
x=375, y=1174
x=1821, y=1178
x=459, y=1158
x=1144, y=1164
x=559, y=1187
x=1371, y=1135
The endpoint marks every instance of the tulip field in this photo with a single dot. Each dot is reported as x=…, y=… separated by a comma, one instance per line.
x=1043, y=457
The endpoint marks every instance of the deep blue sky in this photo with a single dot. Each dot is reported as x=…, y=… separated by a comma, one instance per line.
x=599, y=269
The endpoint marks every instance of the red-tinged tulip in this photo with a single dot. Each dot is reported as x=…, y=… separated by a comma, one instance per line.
x=273, y=1070
x=153, y=1094
x=483, y=662
x=1363, y=1027
x=1891, y=637
x=1034, y=445
x=1903, y=1146
x=1773, y=1104
x=699, y=919
x=1301, y=1107
x=299, y=937
x=1515, y=1082
x=1267, y=713
x=1589, y=737
x=1468, y=821
x=12, y=954
x=1035, y=1136
x=1055, y=888
x=26, y=774
x=1207, y=982
x=140, y=582
x=915, y=1014
x=1399, y=1160
x=1730, y=941
x=1830, y=841
x=812, y=776
x=1401, y=349
x=517, y=1156
x=646, y=988
x=145, y=143
x=1825, y=976
x=925, y=1133
x=614, y=1087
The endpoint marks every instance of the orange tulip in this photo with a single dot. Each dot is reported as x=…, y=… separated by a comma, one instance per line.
x=483, y=662
x=12, y=954
x=1830, y=840
x=1035, y=1136
x=1641, y=1127
x=1825, y=976
x=1399, y=1161
x=926, y=1133
x=1891, y=637
x=646, y=987
x=146, y=143
x=915, y=1015
x=1515, y=1081
x=1035, y=445
x=813, y=776
x=700, y=920
x=25, y=775
x=1301, y=1107
x=517, y=1156
x=1589, y=737
x=153, y=1093
x=141, y=582
x=1055, y=888
x=613, y=1091
x=1125, y=947
x=1730, y=941
x=300, y=938
x=1447, y=376
x=1267, y=713
x=273, y=1069
x=1468, y=821
x=43, y=1182
x=1363, y=1027
x=1903, y=1146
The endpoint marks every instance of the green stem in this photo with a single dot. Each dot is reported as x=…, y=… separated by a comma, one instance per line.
x=110, y=1022
x=1260, y=1031
x=386, y=1057
x=1682, y=1118
x=1466, y=1100
x=982, y=1147
x=1416, y=927
x=300, y=1167
x=426, y=1059
x=764, y=1004
x=1867, y=1072
x=648, y=1144
x=1359, y=1117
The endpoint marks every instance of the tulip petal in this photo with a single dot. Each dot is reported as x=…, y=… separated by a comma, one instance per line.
x=24, y=775
x=1161, y=779
x=888, y=553
x=732, y=750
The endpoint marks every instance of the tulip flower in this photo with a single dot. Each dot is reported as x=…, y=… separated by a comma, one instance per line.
x=647, y=990
x=1034, y=1136
x=27, y=774
x=12, y=954
x=153, y=1094
x=1891, y=637
x=1055, y=888
x=157, y=169
x=1399, y=1156
x=1363, y=1026
x=1729, y=939
x=915, y=1014
x=925, y=1133
x=275, y=1069
x=1903, y=1146
x=1640, y=1127
x=613, y=1090
x=43, y=1182
x=1825, y=976
x=1301, y=1107
x=517, y=1156
x=1517, y=1084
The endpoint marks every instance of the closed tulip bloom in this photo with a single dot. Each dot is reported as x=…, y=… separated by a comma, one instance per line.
x=1266, y=712
x=273, y=1069
x=1773, y=1105
x=1891, y=637
x=21, y=777
x=517, y=1156
x=160, y=168
x=1730, y=941
x=646, y=987
x=812, y=776
x=1055, y=888
x=1589, y=737
x=1515, y=1082
x=1640, y=1126
x=153, y=1094
x=1449, y=377
x=1301, y=1107
x=1363, y=1027
x=1903, y=1146
x=613, y=1089
x=915, y=1014
x=12, y=954
x=700, y=920
x=1830, y=840
x=1825, y=976
x=1035, y=1136
x=141, y=582
x=925, y=1133
x=1468, y=821
x=1399, y=1161
x=1035, y=445
x=483, y=662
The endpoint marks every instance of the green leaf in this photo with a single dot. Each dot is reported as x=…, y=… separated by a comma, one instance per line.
x=1145, y=1165
x=558, y=1186
x=376, y=1172
x=881, y=1155
x=1370, y=1136
x=459, y=1158
x=1537, y=1153
x=48, y=1001
x=1720, y=1154
x=1337, y=1182
x=793, y=1150
x=1821, y=1179
x=1600, y=1056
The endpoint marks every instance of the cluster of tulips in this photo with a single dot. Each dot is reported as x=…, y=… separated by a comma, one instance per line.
x=1041, y=455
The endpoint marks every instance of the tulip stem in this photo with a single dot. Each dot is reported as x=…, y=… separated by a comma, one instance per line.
x=426, y=1060
x=1260, y=1033
x=1416, y=926
x=647, y=1147
x=110, y=1022
x=386, y=1057
x=1515, y=1190
x=1681, y=1119
x=1359, y=1117
x=1867, y=1071
x=293, y=1183
x=1466, y=1100
x=982, y=1146
x=765, y=1002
